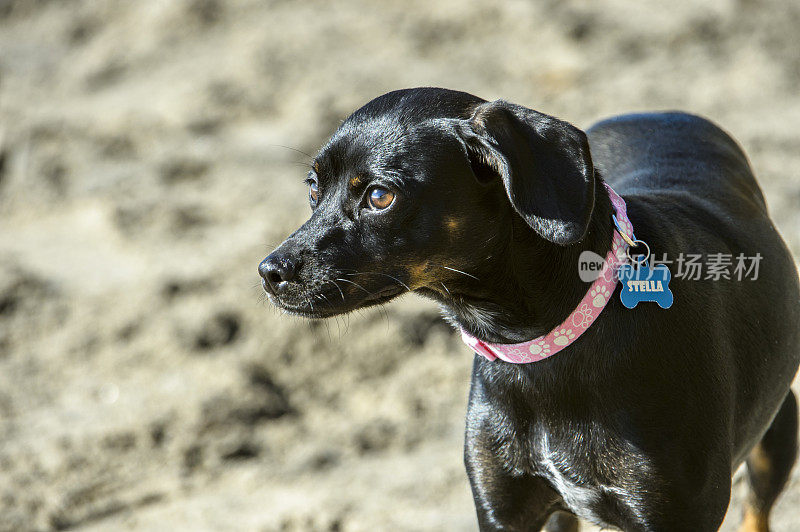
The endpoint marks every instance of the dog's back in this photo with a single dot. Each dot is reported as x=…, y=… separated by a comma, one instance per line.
x=673, y=152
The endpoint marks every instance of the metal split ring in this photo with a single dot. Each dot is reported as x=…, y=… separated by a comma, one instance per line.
x=636, y=244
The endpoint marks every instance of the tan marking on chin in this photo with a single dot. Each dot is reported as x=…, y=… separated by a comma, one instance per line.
x=754, y=521
x=419, y=275
x=316, y=167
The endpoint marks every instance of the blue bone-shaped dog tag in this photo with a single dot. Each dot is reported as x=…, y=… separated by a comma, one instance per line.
x=642, y=283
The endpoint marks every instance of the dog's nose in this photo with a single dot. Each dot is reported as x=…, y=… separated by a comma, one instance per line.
x=277, y=272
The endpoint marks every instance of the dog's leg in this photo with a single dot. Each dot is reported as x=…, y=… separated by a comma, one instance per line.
x=769, y=465
x=519, y=504
x=562, y=522
x=503, y=501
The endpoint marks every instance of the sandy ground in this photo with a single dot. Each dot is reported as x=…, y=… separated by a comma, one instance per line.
x=146, y=167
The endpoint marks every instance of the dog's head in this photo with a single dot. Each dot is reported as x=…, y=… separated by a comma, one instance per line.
x=416, y=188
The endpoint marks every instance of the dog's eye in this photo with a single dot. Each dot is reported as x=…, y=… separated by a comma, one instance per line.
x=313, y=193
x=380, y=198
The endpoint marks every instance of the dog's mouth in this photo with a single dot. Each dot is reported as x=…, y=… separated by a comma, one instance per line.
x=334, y=300
x=385, y=294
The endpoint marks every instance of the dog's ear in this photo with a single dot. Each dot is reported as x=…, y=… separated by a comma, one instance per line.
x=544, y=164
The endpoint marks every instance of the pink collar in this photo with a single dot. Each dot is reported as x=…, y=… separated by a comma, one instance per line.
x=581, y=318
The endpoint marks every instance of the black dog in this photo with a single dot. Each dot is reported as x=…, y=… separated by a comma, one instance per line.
x=485, y=207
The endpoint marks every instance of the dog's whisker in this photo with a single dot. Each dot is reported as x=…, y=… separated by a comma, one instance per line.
x=333, y=282
x=446, y=289
x=382, y=307
x=327, y=329
x=404, y=285
x=358, y=285
x=459, y=271
x=338, y=327
x=339, y=289
x=301, y=152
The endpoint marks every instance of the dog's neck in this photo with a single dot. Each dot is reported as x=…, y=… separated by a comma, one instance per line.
x=530, y=285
